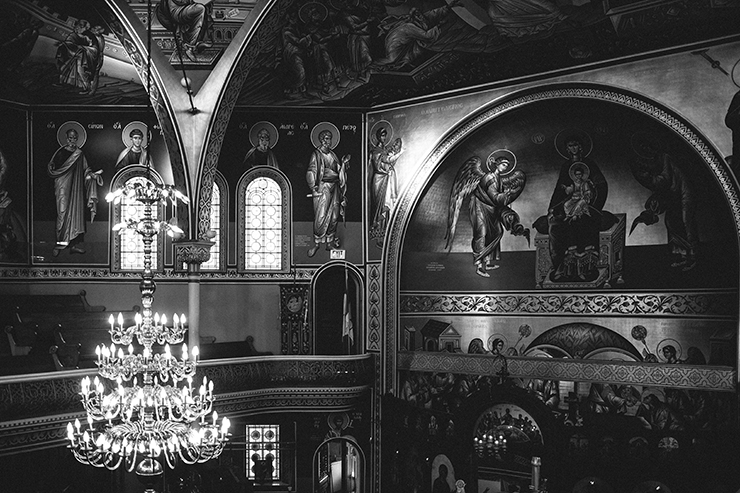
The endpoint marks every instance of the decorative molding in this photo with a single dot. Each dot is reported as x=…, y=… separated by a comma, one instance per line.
x=23, y=398
x=193, y=251
x=715, y=378
x=104, y=274
x=413, y=190
x=374, y=309
x=289, y=399
x=714, y=304
x=377, y=416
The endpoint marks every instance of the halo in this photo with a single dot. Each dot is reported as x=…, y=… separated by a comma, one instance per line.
x=668, y=443
x=735, y=73
x=271, y=129
x=320, y=127
x=638, y=439
x=560, y=141
x=576, y=166
x=505, y=153
x=131, y=126
x=381, y=124
x=657, y=392
x=639, y=141
x=345, y=420
x=493, y=337
x=668, y=342
x=303, y=11
x=71, y=125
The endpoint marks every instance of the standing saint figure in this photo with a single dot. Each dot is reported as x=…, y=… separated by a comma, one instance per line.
x=384, y=186
x=263, y=137
x=327, y=179
x=136, y=147
x=75, y=188
x=673, y=196
x=491, y=188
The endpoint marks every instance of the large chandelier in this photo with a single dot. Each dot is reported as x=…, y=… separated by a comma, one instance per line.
x=143, y=420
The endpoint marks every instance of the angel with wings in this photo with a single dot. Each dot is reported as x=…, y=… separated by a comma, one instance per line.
x=492, y=188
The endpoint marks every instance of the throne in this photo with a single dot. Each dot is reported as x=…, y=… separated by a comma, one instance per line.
x=609, y=261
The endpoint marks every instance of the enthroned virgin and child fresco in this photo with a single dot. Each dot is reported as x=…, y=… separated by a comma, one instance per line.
x=571, y=193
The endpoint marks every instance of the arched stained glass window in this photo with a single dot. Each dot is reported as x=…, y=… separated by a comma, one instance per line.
x=262, y=235
x=128, y=247
x=264, y=222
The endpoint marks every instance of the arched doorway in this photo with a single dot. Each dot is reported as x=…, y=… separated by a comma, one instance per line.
x=339, y=466
x=337, y=309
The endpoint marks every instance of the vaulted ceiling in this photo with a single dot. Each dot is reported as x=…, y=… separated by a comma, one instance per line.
x=355, y=53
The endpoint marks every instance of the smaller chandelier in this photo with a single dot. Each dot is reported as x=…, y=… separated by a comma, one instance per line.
x=143, y=420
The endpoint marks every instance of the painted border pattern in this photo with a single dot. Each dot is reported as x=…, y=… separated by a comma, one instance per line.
x=715, y=304
x=290, y=399
x=713, y=378
x=413, y=191
x=374, y=309
x=104, y=274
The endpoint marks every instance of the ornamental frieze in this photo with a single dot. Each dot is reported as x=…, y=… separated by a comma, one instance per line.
x=719, y=304
x=714, y=378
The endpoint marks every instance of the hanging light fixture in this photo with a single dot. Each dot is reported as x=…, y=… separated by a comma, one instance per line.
x=143, y=420
x=147, y=421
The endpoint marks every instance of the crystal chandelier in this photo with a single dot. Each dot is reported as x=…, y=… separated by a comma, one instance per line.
x=147, y=421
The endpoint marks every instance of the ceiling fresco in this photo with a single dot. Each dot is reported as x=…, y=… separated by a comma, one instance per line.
x=64, y=52
x=365, y=53
x=339, y=52
x=67, y=51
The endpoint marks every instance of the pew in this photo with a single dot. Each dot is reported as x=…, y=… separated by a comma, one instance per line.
x=63, y=329
x=48, y=303
x=66, y=356
x=21, y=338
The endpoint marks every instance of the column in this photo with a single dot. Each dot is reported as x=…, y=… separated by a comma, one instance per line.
x=193, y=253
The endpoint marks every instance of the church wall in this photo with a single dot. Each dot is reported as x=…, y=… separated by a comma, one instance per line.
x=516, y=307
x=670, y=80
x=231, y=310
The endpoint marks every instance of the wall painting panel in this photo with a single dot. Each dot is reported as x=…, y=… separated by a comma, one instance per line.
x=70, y=182
x=291, y=142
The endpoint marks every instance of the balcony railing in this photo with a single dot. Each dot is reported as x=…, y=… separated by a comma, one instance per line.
x=34, y=408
